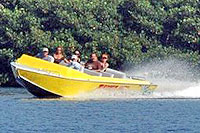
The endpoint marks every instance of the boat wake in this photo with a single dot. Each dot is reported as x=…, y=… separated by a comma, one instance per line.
x=192, y=91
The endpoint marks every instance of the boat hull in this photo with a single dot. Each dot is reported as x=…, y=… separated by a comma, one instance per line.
x=37, y=91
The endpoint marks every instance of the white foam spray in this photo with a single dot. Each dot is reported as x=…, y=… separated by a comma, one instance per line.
x=191, y=92
x=175, y=78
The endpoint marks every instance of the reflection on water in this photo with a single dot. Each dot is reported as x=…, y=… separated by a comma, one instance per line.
x=21, y=112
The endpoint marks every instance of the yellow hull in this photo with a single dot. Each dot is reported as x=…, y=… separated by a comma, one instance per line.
x=63, y=81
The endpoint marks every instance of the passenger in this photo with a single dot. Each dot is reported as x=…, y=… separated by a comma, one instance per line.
x=74, y=64
x=45, y=55
x=59, y=56
x=104, y=63
x=93, y=63
x=77, y=53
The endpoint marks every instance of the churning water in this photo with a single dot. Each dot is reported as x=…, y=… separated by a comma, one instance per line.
x=175, y=78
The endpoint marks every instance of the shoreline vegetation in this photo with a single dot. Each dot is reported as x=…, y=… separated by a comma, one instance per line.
x=130, y=31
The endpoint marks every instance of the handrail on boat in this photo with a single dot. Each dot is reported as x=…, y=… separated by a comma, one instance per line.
x=37, y=69
x=136, y=77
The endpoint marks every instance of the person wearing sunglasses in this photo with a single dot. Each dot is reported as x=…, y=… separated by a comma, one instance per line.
x=104, y=63
x=59, y=56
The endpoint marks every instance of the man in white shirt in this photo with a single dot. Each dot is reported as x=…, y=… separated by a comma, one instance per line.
x=45, y=55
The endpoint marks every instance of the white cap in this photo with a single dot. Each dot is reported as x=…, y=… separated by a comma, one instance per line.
x=45, y=50
x=74, y=57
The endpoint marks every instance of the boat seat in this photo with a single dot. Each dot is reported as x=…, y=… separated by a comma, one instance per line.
x=117, y=74
x=93, y=73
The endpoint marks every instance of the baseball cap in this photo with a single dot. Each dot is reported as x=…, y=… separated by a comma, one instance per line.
x=45, y=50
x=74, y=57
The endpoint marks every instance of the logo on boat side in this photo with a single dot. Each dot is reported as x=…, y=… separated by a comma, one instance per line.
x=108, y=86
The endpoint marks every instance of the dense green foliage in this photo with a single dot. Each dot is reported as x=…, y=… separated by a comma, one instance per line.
x=129, y=30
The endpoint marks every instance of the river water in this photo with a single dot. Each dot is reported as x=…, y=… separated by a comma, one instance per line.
x=21, y=112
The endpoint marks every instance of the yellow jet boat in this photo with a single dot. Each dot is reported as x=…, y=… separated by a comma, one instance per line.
x=46, y=79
